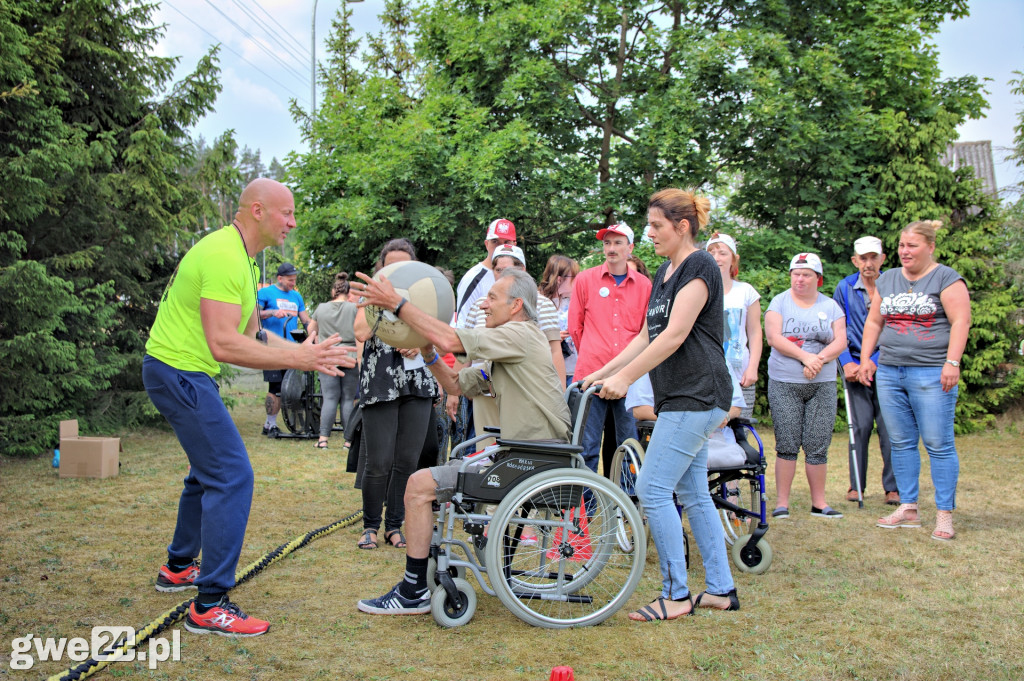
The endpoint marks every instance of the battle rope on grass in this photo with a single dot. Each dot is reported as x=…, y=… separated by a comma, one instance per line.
x=86, y=669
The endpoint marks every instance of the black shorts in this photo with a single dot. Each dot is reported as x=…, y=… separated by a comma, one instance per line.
x=273, y=377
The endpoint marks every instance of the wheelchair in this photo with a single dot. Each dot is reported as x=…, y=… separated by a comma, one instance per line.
x=563, y=547
x=744, y=524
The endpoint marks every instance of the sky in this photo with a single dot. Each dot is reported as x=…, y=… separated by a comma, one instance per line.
x=265, y=61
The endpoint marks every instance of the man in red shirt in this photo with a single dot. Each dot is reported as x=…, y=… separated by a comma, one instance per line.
x=607, y=310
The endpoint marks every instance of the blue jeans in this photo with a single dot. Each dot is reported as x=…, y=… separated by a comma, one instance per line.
x=593, y=429
x=214, y=507
x=916, y=407
x=677, y=461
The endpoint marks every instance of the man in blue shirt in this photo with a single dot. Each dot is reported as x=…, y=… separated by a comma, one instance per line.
x=853, y=295
x=281, y=308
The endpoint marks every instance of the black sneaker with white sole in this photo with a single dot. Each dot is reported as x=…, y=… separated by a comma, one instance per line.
x=394, y=603
x=780, y=512
x=827, y=512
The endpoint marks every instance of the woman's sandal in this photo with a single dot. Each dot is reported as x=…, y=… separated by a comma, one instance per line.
x=734, y=601
x=944, y=526
x=321, y=444
x=366, y=542
x=400, y=544
x=901, y=518
x=649, y=614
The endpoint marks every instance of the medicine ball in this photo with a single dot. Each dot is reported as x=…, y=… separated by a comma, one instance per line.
x=425, y=287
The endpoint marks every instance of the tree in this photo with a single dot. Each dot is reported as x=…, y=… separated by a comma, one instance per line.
x=809, y=122
x=94, y=207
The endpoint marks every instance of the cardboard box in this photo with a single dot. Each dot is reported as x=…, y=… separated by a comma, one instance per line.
x=87, y=457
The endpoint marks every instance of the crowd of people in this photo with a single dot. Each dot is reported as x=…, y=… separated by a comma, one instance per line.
x=682, y=348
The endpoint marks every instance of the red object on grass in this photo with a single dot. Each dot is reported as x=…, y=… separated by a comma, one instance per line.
x=561, y=674
x=580, y=543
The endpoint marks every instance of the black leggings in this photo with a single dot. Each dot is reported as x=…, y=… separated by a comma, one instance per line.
x=394, y=433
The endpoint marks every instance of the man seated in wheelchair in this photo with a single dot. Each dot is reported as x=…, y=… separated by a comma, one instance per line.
x=723, y=450
x=511, y=360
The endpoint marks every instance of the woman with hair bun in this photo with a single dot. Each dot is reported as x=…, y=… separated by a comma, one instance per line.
x=920, y=316
x=337, y=316
x=681, y=346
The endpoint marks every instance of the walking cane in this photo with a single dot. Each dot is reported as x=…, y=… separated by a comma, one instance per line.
x=853, y=449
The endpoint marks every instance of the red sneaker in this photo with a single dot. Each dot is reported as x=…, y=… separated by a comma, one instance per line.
x=169, y=580
x=226, y=619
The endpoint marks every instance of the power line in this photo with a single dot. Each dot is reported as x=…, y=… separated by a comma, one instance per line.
x=258, y=44
x=300, y=43
x=288, y=49
x=232, y=51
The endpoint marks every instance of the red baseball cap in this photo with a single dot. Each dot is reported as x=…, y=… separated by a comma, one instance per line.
x=501, y=229
x=621, y=229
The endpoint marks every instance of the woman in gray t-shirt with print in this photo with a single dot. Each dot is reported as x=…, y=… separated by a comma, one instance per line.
x=806, y=331
x=920, y=316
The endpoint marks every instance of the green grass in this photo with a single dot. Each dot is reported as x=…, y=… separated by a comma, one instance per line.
x=843, y=599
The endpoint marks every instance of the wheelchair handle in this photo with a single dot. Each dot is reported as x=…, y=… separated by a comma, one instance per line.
x=575, y=385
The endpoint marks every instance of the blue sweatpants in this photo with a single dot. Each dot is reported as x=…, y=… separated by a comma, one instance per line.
x=214, y=506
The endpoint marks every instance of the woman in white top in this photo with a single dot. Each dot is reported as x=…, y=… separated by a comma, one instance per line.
x=743, y=338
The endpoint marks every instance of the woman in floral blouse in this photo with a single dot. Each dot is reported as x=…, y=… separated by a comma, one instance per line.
x=397, y=393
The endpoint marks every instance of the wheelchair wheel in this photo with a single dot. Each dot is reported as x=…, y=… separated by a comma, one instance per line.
x=565, y=548
x=449, y=614
x=626, y=463
x=755, y=559
x=432, y=581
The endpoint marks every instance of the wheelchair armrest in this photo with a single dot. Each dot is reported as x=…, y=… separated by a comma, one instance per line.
x=460, y=450
x=540, y=447
x=645, y=424
x=740, y=421
x=492, y=429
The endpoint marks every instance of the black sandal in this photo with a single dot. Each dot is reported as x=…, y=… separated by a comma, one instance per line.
x=401, y=539
x=649, y=614
x=734, y=601
x=367, y=543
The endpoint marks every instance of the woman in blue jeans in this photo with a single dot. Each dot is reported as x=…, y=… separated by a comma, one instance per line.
x=920, y=316
x=681, y=346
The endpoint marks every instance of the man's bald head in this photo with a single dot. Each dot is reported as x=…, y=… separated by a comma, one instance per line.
x=262, y=190
x=266, y=213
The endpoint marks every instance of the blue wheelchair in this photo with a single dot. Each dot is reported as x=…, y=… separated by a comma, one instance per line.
x=744, y=524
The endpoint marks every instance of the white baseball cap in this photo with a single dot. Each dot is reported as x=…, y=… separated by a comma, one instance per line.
x=723, y=239
x=621, y=229
x=510, y=251
x=808, y=261
x=867, y=244
x=501, y=229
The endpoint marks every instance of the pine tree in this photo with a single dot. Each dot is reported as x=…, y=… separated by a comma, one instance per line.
x=94, y=210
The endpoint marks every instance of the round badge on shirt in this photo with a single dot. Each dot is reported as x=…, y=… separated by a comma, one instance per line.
x=822, y=316
x=604, y=292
